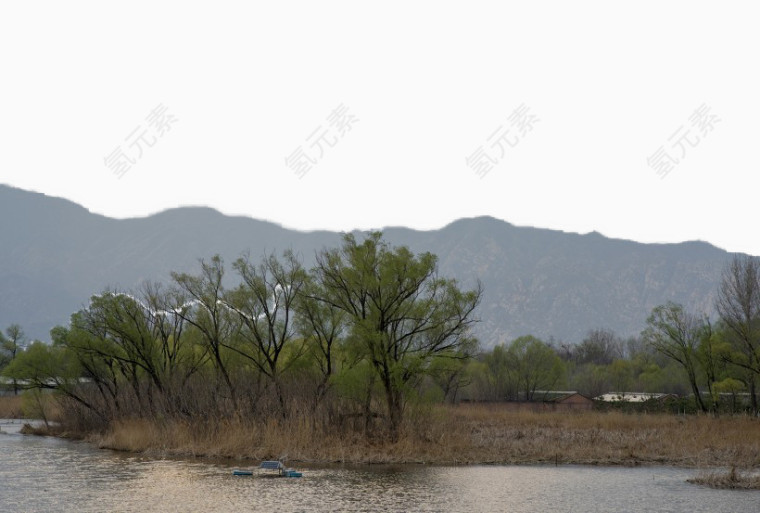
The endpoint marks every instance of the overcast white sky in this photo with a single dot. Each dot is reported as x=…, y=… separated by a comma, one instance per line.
x=575, y=108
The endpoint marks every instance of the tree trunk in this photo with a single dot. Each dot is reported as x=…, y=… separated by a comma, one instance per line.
x=698, y=396
x=368, y=406
x=395, y=411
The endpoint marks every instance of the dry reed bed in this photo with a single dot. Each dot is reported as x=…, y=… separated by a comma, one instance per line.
x=10, y=407
x=609, y=438
x=464, y=434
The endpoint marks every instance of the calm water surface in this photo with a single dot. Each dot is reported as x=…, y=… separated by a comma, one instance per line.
x=46, y=474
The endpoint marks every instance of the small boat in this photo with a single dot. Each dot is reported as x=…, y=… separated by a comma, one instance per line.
x=280, y=468
x=271, y=465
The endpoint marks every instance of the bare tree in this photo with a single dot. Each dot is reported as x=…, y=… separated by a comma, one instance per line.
x=600, y=347
x=738, y=304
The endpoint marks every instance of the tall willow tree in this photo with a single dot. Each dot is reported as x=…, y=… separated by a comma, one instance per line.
x=209, y=314
x=265, y=303
x=677, y=334
x=399, y=312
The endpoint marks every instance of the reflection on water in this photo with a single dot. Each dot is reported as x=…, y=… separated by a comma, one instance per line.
x=44, y=474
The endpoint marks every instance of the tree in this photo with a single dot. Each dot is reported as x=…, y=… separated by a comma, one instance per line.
x=589, y=379
x=266, y=306
x=599, y=347
x=322, y=325
x=732, y=388
x=502, y=381
x=450, y=376
x=50, y=367
x=535, y=365
x=620, y=374
x=138, y=338
x=399, y=312
x=10, y=347
x=178, y=359
x=677, y=334
x=5, y=358
x=97, y=357
x=207, y=312
x=738, y=304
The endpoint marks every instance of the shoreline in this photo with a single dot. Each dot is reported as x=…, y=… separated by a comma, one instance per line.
x=157, y=454
x=454, y=436
x=714, y=472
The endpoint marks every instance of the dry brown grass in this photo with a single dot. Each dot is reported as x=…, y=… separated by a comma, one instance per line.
x=607, y=438
x=10, y=407
x=464, y=434
x=731, y=480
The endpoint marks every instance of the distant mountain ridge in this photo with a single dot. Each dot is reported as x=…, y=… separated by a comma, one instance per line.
x=54, y=254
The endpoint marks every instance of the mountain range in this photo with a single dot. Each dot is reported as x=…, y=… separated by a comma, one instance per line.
x=55, y=254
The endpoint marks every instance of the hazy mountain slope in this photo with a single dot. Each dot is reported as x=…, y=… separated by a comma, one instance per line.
x=55, y=254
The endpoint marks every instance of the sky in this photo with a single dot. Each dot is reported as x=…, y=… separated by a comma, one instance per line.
x=638, y=120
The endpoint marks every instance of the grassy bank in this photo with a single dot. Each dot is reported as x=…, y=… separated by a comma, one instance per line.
x=463, y=434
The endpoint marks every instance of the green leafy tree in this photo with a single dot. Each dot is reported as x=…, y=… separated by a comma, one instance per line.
x=178, y=358
x=51, y=367
x=677, y=334
x=535, y=365
x=323, y=327
x=731, y=387
x=10, y=347
x=502, y=380
x=590, y=380
x=621, y=374
x=97, y=357
x=399, y=311
x=208, y=313
x=450, y=375
x=265, y=304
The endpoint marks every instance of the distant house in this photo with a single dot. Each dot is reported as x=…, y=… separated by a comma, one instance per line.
x=633, y=397
x=564, y=400
x=553, y=400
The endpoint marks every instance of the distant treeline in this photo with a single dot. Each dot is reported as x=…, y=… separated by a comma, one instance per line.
x=355, y=341
x=680, y=352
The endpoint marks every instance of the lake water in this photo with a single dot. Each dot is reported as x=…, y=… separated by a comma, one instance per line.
x=48, y=474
